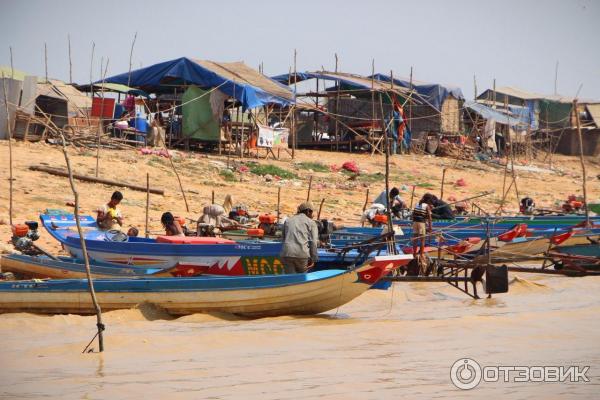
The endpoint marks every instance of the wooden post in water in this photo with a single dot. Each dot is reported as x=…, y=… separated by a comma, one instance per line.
x=86, y=259
x=443, y=179
x=309, y=187
x=10, y=163
x=582, y=160
x=147, y=233
x=390, y=226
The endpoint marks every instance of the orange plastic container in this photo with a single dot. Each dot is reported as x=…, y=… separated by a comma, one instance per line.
x=382, y=218
x=267, y=219
x=255, y=232
x=20, y=230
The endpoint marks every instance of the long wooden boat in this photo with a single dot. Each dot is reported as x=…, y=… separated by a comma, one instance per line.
x=70, y=268
x=211, y=255
x=42, y=267
x=253, y=296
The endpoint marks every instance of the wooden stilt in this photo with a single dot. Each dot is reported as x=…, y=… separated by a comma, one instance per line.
x=147, y=233
x=10, y=158
x=582, y=160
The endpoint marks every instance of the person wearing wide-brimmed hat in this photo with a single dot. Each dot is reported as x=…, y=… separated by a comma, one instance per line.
x=300, y=239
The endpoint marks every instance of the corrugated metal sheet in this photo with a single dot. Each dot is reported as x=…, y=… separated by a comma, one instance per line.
x=594, y=111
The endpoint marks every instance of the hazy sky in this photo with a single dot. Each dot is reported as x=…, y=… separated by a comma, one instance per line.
x=516, y=42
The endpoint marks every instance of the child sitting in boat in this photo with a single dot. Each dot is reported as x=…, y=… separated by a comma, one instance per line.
x=172, y=227
x=109, y=214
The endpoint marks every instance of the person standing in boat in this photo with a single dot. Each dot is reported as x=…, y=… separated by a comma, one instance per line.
x=421, y=217
x=172, y=227
x=109, y=215
x=300, y=240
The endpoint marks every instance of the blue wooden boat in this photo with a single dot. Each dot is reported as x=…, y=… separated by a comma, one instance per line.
x=253, y=296
x=71, y=268
x=207, y=255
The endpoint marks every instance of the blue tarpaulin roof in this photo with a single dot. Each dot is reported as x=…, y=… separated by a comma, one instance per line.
x=235, y=79
x=519, y=120
x=434, y=93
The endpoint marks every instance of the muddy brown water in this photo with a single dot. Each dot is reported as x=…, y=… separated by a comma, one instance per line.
x=398, y=343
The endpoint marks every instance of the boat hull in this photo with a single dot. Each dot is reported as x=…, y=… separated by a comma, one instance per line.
x=252, y=296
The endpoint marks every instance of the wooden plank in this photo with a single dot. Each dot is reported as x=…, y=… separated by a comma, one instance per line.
x=85, y=178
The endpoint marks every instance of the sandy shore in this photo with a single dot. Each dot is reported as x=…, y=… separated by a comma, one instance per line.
x=201, y=174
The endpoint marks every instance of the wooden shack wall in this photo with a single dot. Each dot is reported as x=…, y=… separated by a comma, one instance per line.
x=569, y=142
x=451, y=115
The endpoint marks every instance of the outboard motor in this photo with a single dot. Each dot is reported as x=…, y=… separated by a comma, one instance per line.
x=325, y=228
x=527, y=206
x=23, y=236
x=239, y=213
x=267, y=223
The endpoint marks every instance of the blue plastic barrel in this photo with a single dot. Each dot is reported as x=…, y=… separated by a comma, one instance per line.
x=141, y=124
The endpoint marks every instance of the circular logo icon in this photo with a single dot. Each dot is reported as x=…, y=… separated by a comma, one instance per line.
x=465, y=373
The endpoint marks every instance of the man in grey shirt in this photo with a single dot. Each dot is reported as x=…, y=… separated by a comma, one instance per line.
x=300, y=239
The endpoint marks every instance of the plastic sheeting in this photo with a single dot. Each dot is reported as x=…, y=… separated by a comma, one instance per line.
x=514, y=120
x=249, y=87
x=198, y=119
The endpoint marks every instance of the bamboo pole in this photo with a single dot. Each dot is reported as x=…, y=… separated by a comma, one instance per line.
x=212, y=197
x=320, y=208
x=337, y=108
x=147, y=202
x=372, y=97
x=46, y=60
x=309, y=187
x=70, y=60
x=187, y=208
x=101, y=124
x=391, y=244
x=10, y=162
x=91, y=75
x=412, y=196
x=278, y=202
x=442, y=188
x=12, y=67
x=474, y=87
x=86, y=260
x=582, y=160
x=365, y=205
x=410, y=104
x=294, y=138
x=130, y=59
